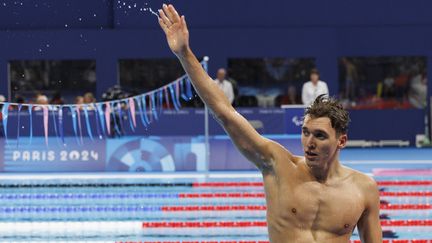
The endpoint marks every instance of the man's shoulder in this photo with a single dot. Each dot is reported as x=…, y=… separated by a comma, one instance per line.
x=321, y=82
x=360, y=179
x=363, y=182
x=226, y=82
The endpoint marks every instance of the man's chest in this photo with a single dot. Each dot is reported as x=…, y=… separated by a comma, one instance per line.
x=313, y=206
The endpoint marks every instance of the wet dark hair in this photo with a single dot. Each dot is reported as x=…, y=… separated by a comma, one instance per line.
x=325, y=106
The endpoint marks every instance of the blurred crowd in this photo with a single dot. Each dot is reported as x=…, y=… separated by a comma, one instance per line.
x=55, y=99
x=364, y=83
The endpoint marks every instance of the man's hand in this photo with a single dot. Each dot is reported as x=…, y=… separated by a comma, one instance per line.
x=175, y=29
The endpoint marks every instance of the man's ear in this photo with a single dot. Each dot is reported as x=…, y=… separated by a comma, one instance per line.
x=342, y=141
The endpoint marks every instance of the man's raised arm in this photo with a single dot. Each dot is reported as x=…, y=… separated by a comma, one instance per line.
x=256, y=148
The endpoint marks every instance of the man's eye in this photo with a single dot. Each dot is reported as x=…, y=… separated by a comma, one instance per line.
x=306, y=133
x=320, y=136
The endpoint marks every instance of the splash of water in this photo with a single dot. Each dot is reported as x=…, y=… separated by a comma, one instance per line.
x=151, y=11
x=130, y=6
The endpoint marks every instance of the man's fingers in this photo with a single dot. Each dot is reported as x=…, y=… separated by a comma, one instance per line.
x=173, y=12
x=164, y=18
x=183, y=21
x=169, y=13
x=163, y=25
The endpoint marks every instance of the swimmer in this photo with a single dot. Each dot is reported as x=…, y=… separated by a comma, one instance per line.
x=310, y=198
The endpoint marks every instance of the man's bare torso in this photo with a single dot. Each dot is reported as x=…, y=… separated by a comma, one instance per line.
x=301, y=209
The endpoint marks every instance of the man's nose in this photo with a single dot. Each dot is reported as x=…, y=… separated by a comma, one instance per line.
x=311, y=143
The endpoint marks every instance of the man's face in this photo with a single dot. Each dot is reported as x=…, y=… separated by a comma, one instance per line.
x=320, y=142
x=314, y=77
x=220, y=75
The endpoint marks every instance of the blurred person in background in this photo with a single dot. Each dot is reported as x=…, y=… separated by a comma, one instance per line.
x=313, y=88
x=40, y=99
x=57, y=99
x=79, y=101
x=2, y=99
x=351, y=79
x=224, y=84
x=417, y=94
x=290, y=98
x=89, y=98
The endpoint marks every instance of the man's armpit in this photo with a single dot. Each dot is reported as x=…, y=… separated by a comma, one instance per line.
x=266, y=167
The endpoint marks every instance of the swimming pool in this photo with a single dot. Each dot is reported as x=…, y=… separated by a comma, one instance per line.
x=197, y=207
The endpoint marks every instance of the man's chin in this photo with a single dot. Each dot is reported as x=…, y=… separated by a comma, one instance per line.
x=312, y=161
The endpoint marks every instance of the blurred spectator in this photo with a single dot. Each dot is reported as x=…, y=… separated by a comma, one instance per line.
x=351, y=78
x=313, y=88
x=40, y=99
x=57, y=99
x=224, y=84
x=79, y=100
x=290, y=98
x=401, y=85
x=2, y=99
x=388, y=89
x=417, y=94
x=89, y=98
x=20, y=100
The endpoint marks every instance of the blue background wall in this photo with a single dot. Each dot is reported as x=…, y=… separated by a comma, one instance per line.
x=326, y=30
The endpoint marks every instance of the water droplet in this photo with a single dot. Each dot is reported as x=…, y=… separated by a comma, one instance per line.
x=40, y=50
x=135, y=5
x=129, y=6
x=66, y=25
x=94, y=15
x=79, y=19
x=22, y=127
x=4, y=4
x=47, y=45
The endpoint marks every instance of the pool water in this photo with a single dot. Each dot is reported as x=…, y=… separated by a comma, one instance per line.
x=164, y=208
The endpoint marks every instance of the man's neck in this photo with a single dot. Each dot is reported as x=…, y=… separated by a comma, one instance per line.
x=326, y=173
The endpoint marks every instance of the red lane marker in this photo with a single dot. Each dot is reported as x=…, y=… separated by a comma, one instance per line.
x=398, y=241
x=222, y=195
x=253, y=241
x=228, y=184
x=197, y=241
x=216, y=208
x=406, y=222
x=263, y=207
x=243, y=224
x=404, y=183
x=406, y=194
x=406, y=206
x=260, y=184
x=262, y=195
